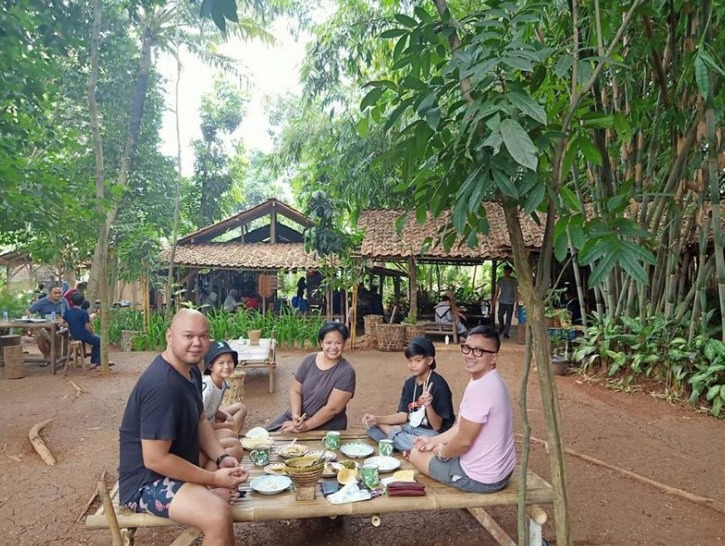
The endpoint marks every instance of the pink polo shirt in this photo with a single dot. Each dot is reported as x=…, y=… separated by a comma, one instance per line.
x=493, y=454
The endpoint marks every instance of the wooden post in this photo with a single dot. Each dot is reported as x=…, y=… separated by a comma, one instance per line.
x=413, y=288
x=110, y=514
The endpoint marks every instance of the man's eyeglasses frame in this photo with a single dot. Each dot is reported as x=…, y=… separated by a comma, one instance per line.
x=477, y=352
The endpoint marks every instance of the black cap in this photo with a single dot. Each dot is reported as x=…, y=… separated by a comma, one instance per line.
x=219, y=348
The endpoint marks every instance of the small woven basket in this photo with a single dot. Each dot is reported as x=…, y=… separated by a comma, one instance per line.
x=305, y=472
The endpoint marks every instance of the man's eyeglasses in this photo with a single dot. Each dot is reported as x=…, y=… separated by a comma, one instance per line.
x=478, y=353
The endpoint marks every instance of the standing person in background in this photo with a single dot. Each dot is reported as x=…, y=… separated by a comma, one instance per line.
x=52, y=303
x=230, y=302
x=68, y=295
x=507, y=297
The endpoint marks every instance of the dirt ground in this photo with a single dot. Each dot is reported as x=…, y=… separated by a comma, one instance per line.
x=638, y=432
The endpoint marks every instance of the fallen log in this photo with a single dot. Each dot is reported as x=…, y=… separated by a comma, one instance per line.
x=697, y=499
x=39, y=444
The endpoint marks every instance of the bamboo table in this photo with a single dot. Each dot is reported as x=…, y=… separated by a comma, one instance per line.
x=58, y=338
x=255, y=507
x=263, y=355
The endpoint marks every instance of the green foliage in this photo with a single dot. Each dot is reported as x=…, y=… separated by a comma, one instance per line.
x=15, y=303
x=629, y=349
x=288, y=328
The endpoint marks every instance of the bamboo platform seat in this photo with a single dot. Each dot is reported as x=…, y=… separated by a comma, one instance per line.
x=256, y=508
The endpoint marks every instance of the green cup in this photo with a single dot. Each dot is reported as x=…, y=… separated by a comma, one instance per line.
x=260, y=457
x=369, y=475
x=385, y=447
x=332, y=440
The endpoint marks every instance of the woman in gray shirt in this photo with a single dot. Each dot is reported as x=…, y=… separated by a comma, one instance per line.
x=323, y=385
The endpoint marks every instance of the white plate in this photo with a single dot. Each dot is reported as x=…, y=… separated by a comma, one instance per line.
x=270, y=485
x=329, y=455
x=356, y=450
x=384, y=464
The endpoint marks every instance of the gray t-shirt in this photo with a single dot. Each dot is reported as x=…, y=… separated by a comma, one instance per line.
x=317, y=385
x=507, y=290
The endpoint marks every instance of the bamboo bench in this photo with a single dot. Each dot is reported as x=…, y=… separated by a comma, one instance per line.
x=442, y=329
x=258, y=508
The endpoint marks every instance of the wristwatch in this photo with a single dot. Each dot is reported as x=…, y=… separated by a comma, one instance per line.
x=221, y=457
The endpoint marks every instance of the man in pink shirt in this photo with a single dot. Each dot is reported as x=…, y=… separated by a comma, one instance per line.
x=477, y=454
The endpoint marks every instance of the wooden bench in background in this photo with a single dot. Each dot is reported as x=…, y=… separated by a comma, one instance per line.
x=442, y=329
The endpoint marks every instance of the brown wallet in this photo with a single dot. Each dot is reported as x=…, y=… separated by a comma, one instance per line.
x=406, y=489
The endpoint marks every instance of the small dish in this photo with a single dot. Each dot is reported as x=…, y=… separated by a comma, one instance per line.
x=356, y=450
x=328, y=455
x=291, y=450
x=276, y=469
x=270, y=485
x=329, y=471
x=384, y=464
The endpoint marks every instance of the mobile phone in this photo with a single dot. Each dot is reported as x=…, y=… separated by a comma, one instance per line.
x=329, y=487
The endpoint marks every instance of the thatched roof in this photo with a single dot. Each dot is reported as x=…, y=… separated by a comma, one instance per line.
x=252, y=239
x=383, y=242
x=260, y=256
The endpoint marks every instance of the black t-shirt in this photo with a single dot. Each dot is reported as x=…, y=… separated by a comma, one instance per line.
x=164, y=405
x=442, y=399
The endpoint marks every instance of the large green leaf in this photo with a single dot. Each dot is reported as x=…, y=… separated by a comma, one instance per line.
x=519, y=144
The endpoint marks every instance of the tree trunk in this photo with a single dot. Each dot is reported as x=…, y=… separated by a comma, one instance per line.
x=100, y=276
x=541, y=352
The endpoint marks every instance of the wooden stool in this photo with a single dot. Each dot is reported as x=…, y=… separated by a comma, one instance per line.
x=76, y=355
x=14, y=362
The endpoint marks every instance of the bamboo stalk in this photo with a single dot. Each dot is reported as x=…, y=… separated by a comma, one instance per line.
x=102, y=479
x=110, y=514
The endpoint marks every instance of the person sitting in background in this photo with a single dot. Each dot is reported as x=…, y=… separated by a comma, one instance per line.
x=39, y=292
x=572, y=305
x=323, y=385
x=444, y=314
x=79, y=326
x=230, y=302
x=52, y=303
x=426, y=402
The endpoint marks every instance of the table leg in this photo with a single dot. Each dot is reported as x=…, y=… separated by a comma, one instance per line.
x=53, y=356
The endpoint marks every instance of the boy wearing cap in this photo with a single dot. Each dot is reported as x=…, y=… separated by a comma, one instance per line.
x=227, y=422
x=426, y=403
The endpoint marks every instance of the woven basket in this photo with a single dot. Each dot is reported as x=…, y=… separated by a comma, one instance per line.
x=390, y=337
x=413, y=330
x=370, y=322
x=304, y=472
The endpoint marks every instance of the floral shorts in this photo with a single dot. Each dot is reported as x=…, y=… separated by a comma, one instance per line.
x=155, y=497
